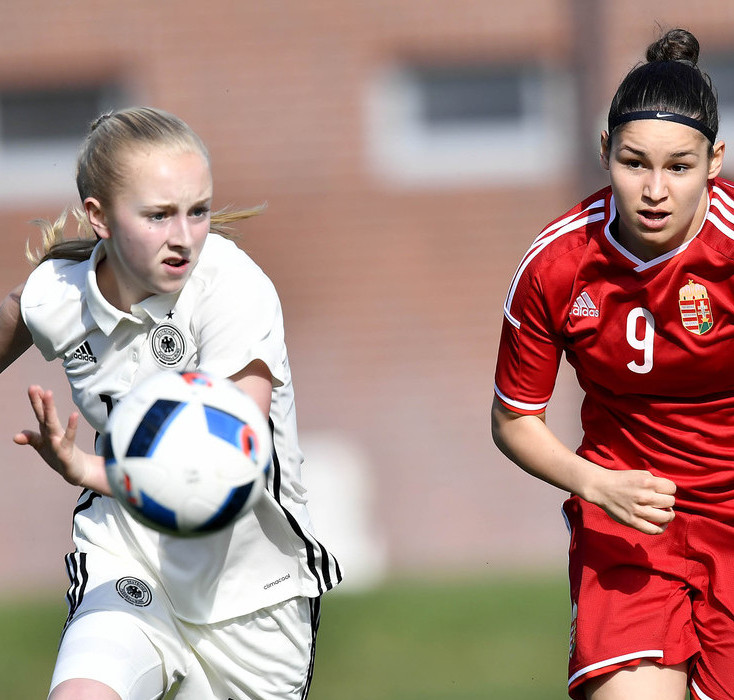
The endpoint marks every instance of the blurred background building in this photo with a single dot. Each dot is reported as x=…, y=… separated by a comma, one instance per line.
x=409, y=152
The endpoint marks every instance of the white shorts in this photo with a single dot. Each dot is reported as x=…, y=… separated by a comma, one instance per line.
x=123, y=634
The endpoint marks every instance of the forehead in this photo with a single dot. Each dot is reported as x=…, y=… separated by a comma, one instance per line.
x=653, y=135
x=157, y=170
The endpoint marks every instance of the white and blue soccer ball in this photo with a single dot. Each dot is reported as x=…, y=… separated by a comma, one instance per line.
x=187, y=453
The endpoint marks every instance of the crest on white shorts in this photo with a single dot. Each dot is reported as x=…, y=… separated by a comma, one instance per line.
x=168, y=344
x=134, y=591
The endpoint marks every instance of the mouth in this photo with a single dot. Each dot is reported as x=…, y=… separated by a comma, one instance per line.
x=176, y=262
x=652, y=218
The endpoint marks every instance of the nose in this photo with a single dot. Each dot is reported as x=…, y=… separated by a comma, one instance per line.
x=180, y=232
x=655, y=187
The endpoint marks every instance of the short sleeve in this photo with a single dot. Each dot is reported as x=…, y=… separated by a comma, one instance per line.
x=530, y=351
x=50, y=304
x=238, y=315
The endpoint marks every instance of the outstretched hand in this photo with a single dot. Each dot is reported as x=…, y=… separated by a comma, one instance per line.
x=57, y=445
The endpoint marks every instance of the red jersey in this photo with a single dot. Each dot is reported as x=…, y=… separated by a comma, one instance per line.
x=652, y=343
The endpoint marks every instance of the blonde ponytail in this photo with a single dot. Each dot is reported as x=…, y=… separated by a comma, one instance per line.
x=54, y=243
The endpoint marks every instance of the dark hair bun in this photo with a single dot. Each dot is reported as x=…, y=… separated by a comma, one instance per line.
x=675, y=45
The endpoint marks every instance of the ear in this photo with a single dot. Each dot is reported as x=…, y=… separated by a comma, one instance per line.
x=717, y=160
x=97, y=217
x=604, y=150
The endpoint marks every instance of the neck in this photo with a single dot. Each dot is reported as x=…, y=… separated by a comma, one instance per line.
x=109, y=287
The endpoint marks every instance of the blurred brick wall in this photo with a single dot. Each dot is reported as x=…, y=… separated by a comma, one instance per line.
x=392, y=297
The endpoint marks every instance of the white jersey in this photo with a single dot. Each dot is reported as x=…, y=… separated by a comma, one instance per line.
x=227, y=315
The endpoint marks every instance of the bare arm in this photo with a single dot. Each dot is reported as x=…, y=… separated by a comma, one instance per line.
x=256, y=381
x=15, y=338
x=631, y=497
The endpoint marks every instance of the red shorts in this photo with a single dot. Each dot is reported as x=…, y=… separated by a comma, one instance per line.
x=666, y=598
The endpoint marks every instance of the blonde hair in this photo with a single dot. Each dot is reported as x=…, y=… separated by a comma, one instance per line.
x=100, y=174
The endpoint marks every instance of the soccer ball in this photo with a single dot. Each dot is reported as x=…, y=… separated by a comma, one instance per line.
x=187, y=453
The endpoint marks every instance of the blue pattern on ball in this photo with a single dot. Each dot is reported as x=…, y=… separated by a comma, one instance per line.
x=229, y=510
x=152, y=427
x=224, y=425
x=107, y=453
x=156, y=512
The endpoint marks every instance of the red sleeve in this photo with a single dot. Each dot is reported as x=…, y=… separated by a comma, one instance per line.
x=529, y=351
x=537, y=307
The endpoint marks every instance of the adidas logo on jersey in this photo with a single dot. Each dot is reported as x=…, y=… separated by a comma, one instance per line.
x=84, y=352
x=583, y=306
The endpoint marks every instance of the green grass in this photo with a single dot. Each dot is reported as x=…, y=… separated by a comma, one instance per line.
x=432, y=640
x=29, y=635
x=441, y=641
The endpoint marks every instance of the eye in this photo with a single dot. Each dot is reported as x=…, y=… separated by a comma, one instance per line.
x=679, y=168
x=200, y=212
x=157, y=216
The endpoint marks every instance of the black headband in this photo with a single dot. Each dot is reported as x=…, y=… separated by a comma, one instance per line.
x=661, y=115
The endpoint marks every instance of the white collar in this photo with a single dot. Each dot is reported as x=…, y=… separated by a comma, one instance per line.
x=107, y=316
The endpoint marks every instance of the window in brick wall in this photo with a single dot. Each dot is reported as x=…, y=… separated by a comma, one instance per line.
x=40, y=133
x=440, y=125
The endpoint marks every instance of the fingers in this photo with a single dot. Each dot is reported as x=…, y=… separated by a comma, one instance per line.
x=35, y=395
x=44, y=408
x=657, y=516
x=649, y=528
x=651, y=521
x=657, y=500
x=56, y=443
x=647, y=489
x=49, y=425
x=32, y=437
x=71, y=427
x=25, y=437
x=657, y=509
x=663, y=485
x=640, y=500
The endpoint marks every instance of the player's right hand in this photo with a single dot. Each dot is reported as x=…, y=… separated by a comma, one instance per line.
x=56, y=444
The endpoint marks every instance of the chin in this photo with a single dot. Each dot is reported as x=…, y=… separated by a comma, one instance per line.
x=170, y=288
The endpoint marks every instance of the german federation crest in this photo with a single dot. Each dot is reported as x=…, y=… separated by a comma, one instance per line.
x=134, y=591
x=167, y=344
x=695, y=308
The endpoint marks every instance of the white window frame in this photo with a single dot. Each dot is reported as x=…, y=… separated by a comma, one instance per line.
x=403, y=150
x=40, y=169
x=721, y=73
